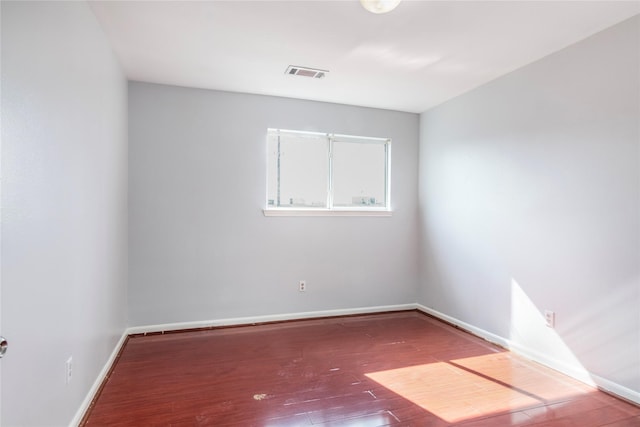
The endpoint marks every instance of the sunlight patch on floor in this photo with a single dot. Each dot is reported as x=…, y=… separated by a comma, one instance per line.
x=473, y=387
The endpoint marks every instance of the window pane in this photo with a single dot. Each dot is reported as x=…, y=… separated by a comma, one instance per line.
x=300, y=178
x=359, y=174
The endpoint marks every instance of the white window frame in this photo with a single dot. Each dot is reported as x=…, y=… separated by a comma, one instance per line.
x=331, y=210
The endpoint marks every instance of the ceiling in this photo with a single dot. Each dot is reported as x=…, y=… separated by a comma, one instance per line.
x=419, y=55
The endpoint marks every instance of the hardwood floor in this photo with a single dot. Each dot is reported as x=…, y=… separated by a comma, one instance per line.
x=398, y=369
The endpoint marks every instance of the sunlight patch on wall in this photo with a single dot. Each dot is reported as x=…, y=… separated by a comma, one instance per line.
x=530, y=334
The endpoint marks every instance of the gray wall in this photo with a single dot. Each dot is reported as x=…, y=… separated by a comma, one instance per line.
x=530, y=200
x=64, y=208
x=200, y=247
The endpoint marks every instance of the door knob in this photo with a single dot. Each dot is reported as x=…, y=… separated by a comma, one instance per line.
x=3, y=346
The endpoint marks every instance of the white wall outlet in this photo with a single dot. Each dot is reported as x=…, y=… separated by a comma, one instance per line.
x=302, y=285
x=550, y=318
x=68, y=369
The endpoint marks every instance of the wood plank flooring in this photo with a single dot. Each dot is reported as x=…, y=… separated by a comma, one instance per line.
x=392, y=369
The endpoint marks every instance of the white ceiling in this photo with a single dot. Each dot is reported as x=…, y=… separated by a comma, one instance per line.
x=411, y=59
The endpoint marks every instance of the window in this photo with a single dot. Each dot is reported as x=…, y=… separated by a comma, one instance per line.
x=322, y=173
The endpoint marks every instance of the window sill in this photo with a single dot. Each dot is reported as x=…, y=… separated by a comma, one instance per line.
x=325, y=212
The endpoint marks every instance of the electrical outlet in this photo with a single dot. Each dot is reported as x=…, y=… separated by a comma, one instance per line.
x=302, y=286
x=68, y=369
x=550, y=318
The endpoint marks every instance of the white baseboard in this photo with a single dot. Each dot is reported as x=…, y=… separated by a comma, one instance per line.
x=98, y=382
x=268, y=318
x=492, y=338
x=220, y=322
x=531, y=354
x=617, y=389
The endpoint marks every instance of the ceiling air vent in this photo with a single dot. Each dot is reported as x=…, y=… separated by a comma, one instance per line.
x=305, y=72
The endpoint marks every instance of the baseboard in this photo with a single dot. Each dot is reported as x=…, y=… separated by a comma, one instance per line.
x=616, y=389
x=492, y=338
x=531, y=354
x=574, y=372
x=77, y=419
x=236, y=321
x=591, y=379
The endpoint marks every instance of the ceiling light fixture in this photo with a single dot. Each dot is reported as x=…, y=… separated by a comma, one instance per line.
x=379, y=6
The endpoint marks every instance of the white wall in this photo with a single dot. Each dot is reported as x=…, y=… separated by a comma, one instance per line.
x=530, y=200
x=64, y=208
x=200, y=247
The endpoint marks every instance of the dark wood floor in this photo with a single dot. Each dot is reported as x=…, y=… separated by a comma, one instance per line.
x=400, y=369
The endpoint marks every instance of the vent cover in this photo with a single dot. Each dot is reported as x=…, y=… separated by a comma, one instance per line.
x=305, y=72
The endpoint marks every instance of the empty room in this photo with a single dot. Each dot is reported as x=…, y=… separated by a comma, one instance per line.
x=320, y=213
